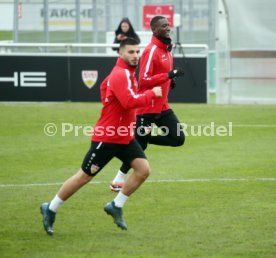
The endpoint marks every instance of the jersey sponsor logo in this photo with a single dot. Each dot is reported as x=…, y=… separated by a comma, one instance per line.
x=164, y=58
x=27, y=79
x=89, y=78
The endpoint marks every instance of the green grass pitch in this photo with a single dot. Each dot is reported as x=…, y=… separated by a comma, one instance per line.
x=213, y=197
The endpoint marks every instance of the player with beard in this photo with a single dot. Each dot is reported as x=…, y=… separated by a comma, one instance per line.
x=112, y=137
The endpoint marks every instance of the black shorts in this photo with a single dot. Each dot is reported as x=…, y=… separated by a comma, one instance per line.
x=101, y=153
x=167, y=122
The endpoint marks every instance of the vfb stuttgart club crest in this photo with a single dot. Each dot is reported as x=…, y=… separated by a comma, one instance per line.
x=89, y=78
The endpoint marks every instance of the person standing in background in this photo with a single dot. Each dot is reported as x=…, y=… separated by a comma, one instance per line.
x=124, y=30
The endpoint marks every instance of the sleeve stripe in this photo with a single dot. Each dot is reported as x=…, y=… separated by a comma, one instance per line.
x=149, y=60
x=129, y=85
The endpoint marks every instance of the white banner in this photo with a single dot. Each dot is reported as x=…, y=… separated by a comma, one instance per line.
x=61, y=17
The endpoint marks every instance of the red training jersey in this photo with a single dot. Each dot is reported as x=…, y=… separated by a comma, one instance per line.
x=155, y=63
x=120, y=99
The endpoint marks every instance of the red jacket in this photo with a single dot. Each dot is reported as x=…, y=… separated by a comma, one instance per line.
x=155, y=63
x=120, y=99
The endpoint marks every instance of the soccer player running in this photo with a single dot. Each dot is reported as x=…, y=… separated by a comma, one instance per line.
x=156, y=68
x=112, y=137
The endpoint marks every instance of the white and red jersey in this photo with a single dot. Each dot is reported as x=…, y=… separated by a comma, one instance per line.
x=155, y=63
x=120, y=99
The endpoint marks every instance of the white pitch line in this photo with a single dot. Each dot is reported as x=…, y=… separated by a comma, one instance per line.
x=152, y=181
x=209, y=180
x=237, y=125
x=253, y=125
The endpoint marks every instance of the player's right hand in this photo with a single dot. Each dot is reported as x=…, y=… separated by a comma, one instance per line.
x=173, y=83
x=157, y=91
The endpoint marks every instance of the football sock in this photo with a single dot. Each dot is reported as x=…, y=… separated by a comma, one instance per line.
x=120, y=200
x=55, y=203
x=120, y=177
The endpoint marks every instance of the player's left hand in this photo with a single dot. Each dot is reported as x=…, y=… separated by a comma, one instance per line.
x=176, y=72
x=173, y=83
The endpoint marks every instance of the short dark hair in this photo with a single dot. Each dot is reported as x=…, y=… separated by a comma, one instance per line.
x=128, y=41
x=154, y=20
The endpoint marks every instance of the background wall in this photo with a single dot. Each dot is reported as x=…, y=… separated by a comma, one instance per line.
x=59, y=78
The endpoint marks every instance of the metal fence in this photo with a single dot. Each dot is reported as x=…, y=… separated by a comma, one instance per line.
x=88, y=21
